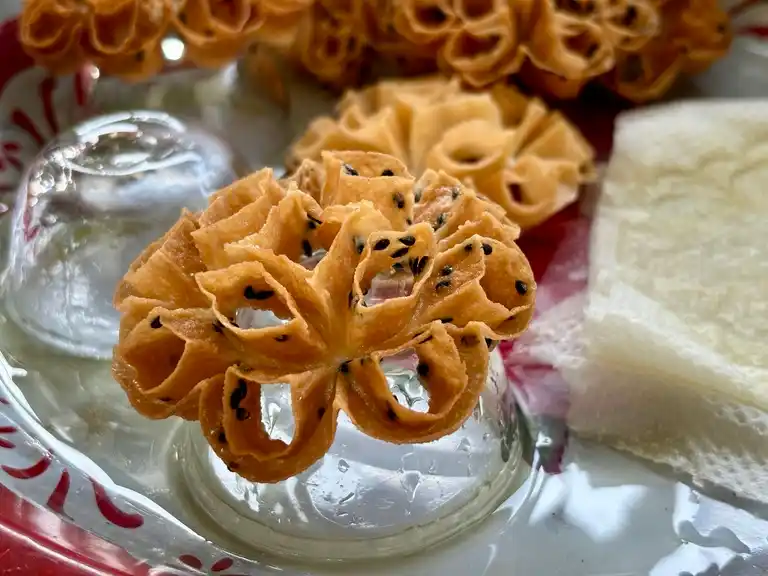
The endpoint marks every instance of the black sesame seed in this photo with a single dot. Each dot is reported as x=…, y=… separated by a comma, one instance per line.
x=417, y=196
x=427, y=339
x=315, y=220
x=400, y=253
x=442, y=284
x=423, y=369
x=156, y=323
x=282, y=338
x=381, y=244
x=359, y=245
x=487, y=249
x=218, y=327
x=440, y=221
x=235, y=324
x=306, y=247
x=421, y=265
x=408, y=221
x=351, y=171
x=252, y=294
x=242, y=414
x=455, y=193
x=311, y=225
x=222, y=438
x=391, y=413
x=398, y=199
x=238, y=394
x=446, y=320
x=387, y=172
x=320, y=412
x=521, y=287
x=468, y=247
x=344, y=368
x=447, y=270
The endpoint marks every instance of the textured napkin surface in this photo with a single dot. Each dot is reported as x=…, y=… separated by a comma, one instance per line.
x=671, y=362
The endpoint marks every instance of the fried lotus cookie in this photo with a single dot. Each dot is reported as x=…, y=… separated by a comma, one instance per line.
x=282, y=19
x=484, y=48
x=259, y=315
x=51, y=31
x=121, y=37
x=573, y=48
x=331, y=43
x=425, y=22
x=217, y=31
x=630, y=24
x=124, y=37
x=693, y=34
x=481, y=137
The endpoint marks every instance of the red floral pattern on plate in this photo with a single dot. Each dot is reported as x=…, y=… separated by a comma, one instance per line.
x=51, y=482
x=26, y=122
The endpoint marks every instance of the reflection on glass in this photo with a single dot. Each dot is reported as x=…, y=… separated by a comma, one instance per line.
x=89, y=203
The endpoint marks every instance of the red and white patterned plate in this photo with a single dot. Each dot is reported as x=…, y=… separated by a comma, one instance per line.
x=584, y=511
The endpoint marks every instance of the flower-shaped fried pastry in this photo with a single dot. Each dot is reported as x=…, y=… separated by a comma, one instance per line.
x=694, y=33
x=195, y=342
x=217, y=31
x=122, y=37
x=514, y=151
x=331, y=41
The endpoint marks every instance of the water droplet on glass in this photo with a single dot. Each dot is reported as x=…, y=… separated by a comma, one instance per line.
x=464, y=445
x=343, y=465
x=410, y=482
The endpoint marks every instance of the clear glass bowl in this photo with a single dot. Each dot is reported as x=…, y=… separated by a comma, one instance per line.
x=366, y=498
x=86, y=207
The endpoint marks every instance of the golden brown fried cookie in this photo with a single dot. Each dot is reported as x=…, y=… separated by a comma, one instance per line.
x=512, y=148
x=122, y=37
x=195, y=343
x=694, y=33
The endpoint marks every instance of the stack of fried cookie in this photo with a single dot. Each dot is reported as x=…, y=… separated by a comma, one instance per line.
x=226, y=303
x=636, y=47
x=527, y=159
x=123, y=37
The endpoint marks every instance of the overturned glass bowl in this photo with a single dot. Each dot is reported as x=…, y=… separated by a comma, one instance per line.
x=90, y=203
x=87, y=205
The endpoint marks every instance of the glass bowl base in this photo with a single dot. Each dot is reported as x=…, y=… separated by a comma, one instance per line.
x=366, y=498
